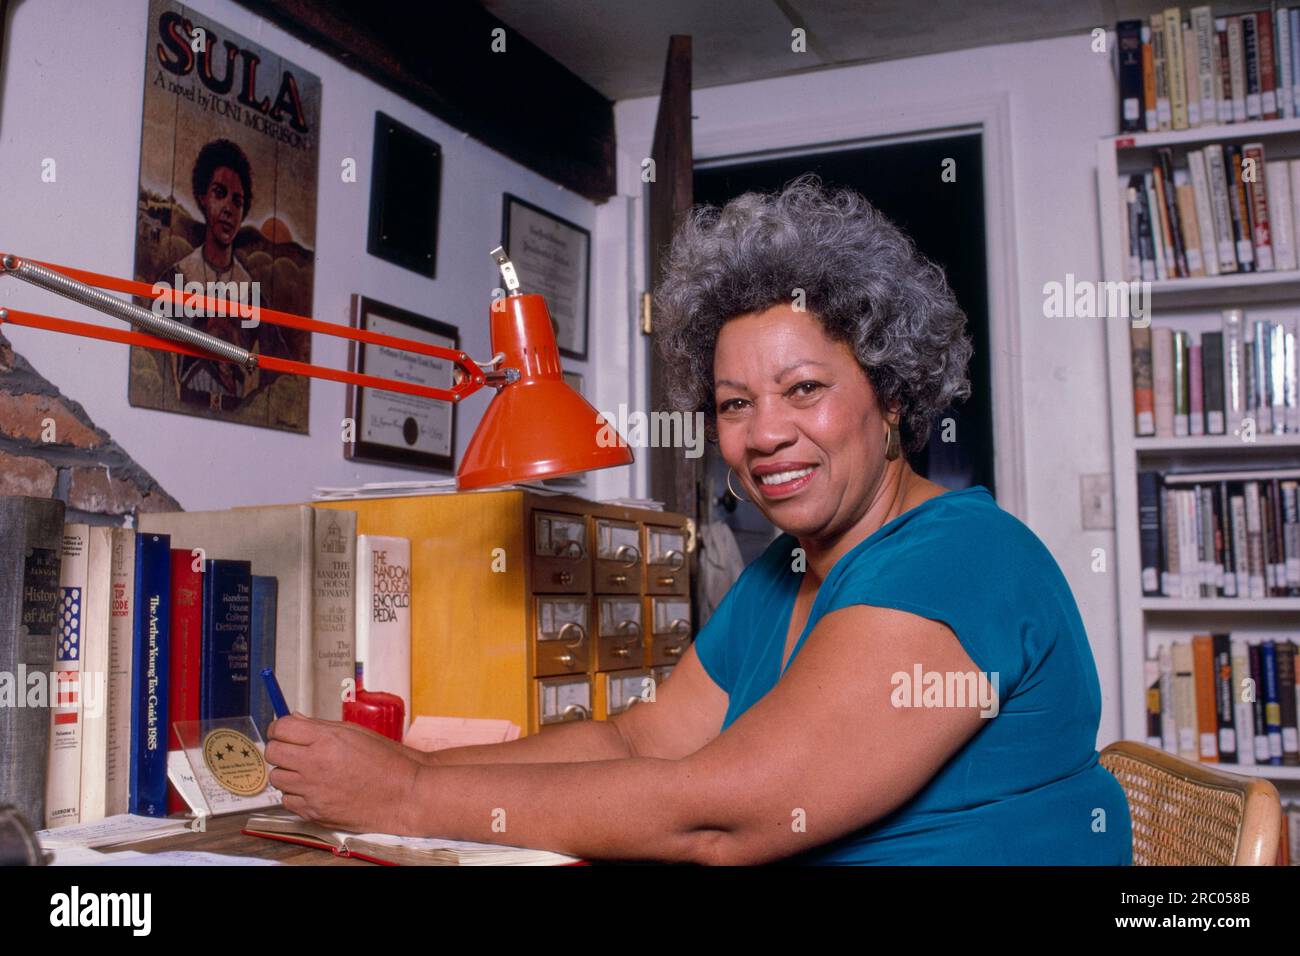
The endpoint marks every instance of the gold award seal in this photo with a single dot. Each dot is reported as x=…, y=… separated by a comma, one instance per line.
x=235, y=761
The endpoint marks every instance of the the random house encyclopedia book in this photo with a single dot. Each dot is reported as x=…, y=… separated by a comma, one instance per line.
x=109, y=636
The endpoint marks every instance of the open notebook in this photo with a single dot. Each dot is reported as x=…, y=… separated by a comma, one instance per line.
x=397, y=850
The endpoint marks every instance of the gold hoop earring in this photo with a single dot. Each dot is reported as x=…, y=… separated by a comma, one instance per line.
x=893, y=446
x=733, y=490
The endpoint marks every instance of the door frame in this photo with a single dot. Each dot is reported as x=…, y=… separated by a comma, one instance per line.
x=990, y=115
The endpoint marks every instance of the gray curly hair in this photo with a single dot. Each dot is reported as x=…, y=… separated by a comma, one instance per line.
x=863, y=279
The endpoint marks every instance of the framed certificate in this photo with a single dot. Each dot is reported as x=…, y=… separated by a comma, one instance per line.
x=390, y=427
x=553, y=258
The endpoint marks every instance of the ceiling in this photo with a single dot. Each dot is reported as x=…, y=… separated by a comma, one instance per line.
x=618, y=46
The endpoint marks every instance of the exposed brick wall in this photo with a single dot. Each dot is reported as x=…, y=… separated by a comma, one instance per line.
x=49, y=447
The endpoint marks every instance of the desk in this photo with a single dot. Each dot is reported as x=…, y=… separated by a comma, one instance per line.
x=223, y=836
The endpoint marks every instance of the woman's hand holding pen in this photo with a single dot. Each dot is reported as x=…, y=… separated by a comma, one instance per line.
x=341, y=775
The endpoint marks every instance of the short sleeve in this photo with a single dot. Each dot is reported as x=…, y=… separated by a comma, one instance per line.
x=713, y=642
x=985, y=576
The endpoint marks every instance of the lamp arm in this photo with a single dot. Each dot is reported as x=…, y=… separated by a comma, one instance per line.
x=168, y=335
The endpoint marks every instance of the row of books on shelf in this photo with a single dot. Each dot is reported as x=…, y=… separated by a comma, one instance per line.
x=1226, y=211
x=113, y=636
x=1177, y=73
x=1219, y=534
x=1222, y=698
x=1187, y=382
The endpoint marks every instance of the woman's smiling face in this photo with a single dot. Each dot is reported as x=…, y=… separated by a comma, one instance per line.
x=795, y=406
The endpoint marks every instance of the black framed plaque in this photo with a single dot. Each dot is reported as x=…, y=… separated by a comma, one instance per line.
x=406, y=169
x=391, y=427
x=553, y=258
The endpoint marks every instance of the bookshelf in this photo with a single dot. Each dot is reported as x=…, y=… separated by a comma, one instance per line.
x=1145, y=623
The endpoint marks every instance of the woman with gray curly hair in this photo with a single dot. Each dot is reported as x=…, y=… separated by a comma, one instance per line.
x=903, y=676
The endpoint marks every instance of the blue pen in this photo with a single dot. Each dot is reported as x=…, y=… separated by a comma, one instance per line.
x=273, y=689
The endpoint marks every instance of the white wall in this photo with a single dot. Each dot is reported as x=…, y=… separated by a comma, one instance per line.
x=1061, y=99
x=72, y=89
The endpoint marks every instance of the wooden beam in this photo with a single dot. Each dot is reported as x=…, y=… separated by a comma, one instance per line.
x=439, y=56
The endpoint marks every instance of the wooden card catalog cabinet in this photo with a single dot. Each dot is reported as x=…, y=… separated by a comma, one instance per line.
x=540, y=609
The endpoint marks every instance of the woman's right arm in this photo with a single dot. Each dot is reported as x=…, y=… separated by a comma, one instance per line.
x=685, y=714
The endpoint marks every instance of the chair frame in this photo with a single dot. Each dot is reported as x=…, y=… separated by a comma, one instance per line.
x=1259, y=820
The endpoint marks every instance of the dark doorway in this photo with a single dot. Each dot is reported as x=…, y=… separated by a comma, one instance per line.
x=946, y=221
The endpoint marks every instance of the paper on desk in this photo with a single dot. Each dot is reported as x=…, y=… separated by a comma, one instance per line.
x=184, y=858
x=441, y=733
x=122, y=828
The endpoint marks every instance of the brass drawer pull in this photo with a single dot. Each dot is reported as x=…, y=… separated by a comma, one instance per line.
x=569, y=659
x=628, y=549
x=675, y=650
x=668, y=580
x=674, y=559
x=584, y=713
x=563, y=577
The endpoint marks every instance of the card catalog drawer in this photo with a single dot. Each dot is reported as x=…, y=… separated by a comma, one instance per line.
x=670, y=629
x=619, y=568
x=561, y=635
x=665, y=556
x=620, y=638
x=562, y=699
x=619, y=690
x=561, y=558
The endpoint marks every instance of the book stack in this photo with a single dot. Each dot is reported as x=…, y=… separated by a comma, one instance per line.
x=1241, y=378
x=1218, y=210
x=1221, y=698
x=127, y=632
x=1177, y=73
x=1220, y=534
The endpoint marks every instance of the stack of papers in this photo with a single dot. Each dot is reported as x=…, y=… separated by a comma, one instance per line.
x=432, y=486
x=648, y=503
x=441, y=733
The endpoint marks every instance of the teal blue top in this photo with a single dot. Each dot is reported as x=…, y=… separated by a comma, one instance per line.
x=1027, y=788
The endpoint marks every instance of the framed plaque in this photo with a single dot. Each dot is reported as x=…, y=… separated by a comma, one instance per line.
x=390, y=427
x=407, y=168
x=553, y=258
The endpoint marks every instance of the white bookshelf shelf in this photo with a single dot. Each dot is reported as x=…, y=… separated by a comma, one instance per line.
x=1238, y=132
x=1229, y=282
x=1267, y=771
x=1267, y=443
x=1216, y=605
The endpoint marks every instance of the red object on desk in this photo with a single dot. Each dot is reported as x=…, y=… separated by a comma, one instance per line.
x=380, y=711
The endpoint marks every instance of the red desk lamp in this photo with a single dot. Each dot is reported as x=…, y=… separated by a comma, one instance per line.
x=536, y=426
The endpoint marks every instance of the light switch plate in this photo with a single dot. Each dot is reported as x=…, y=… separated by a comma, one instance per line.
x=1097, y=502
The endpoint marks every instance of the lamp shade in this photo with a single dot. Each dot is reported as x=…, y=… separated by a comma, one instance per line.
x=537, y=426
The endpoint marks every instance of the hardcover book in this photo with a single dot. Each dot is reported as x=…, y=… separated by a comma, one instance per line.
x=31, y=541
x=149, y=723
x=227, y=613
